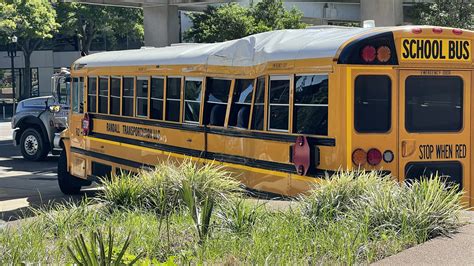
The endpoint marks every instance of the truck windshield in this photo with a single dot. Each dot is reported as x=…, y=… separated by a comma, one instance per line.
x=62, y=90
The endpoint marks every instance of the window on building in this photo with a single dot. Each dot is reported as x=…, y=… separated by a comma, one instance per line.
x=259, y=105
x=115, y=95
x=241, y=102
x=156, y=98
x=173, y=98
x=142, y=97
x=217, y=91
x=279, y=103
x=192, y=99
x=92, y=94
x=6, y=83
x=372, y=106
x=127, y=96
x=103, y=95
x=311, y=105
x=433, y=104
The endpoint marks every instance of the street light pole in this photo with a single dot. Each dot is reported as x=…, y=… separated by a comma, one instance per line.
x=12, y=55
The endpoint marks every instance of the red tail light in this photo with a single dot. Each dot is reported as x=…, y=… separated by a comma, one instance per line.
x=457, y=31
x=374, y=157
x=359, y=157
x=86, y=124
x=368, y=53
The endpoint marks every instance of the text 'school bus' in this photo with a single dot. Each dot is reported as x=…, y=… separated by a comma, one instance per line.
x=280, y=108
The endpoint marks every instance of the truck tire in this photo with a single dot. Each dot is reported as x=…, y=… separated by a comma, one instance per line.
x=33, y=146
x=68, y=184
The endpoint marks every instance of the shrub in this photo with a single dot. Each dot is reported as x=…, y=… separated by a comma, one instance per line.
x=331, y=199
x=239, y=216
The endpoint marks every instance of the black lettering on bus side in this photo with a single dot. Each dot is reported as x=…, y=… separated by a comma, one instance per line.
x=435, y=47
x=412, y=50
x=426, y=152
x=419, y=49
x=466, y=50
x=444, y=151
x=406, y=49
x=427, y=49
x=441, y=53
x=461, y=151
x=451, y=53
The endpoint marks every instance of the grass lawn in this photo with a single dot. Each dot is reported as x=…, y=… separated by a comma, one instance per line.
x=180, y=214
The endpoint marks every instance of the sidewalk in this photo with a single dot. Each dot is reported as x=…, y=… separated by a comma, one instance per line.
x=458, y=250
x=5, y=130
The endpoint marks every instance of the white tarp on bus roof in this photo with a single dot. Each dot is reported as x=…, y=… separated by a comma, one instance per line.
x=249, y=51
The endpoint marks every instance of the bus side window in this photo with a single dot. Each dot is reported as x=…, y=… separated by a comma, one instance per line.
x=92, y=94
x=127, y=96
x=215, y=107
x=75, y=95
x=142, y=97
x=192, y=99
x=279, y=103
x=259, y=105
x=156, y=97
x=173, y=98
x=241, y=101
x=103, y=95
x=115, y=95
x=81, y=95
x=372, y=103
x=310, y=114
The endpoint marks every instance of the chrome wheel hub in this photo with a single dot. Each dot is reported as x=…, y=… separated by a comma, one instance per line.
x=31, y=145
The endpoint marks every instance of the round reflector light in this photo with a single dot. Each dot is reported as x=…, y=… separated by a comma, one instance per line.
x=416, y=30
x=383, y=54
x=437, y=30
x=374, y=157
x=388, y=156
x=457, y=31
x=368, y=53
x=359, y=157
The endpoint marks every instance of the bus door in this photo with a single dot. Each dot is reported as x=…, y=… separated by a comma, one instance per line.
x=434, y=127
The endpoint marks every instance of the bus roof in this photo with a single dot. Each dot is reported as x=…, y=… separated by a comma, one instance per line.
x=310, y=43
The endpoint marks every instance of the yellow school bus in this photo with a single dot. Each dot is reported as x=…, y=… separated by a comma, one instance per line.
x=279, y=109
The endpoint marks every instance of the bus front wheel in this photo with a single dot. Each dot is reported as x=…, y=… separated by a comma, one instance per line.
x=68, y=184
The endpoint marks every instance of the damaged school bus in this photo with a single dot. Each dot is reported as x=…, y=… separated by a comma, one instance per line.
x=280, y=109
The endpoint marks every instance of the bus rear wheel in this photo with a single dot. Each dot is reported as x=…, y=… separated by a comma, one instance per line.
x=68, y=184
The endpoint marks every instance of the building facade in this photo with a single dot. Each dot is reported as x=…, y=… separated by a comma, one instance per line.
x=166, y=20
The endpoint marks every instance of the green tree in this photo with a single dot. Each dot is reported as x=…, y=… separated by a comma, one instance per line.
x=448, y=13
x=232, y=21
x=31, y=21
x=88, y=21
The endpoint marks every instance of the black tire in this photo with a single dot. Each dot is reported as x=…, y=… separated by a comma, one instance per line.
x=33, y=145
x=68, y=184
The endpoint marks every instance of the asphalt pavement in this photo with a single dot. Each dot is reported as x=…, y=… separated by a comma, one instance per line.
x=25, y=184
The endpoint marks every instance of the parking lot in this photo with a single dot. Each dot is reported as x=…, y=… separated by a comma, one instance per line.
x=23, y=183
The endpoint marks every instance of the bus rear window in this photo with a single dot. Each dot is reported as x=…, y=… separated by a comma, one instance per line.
x=433, y=104
x=372, y=106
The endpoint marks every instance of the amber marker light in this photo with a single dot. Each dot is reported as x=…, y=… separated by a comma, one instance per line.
x=359, y=157
x=383, y=54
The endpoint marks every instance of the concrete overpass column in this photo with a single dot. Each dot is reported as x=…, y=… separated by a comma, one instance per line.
x=161, y=25
x=384, y=12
